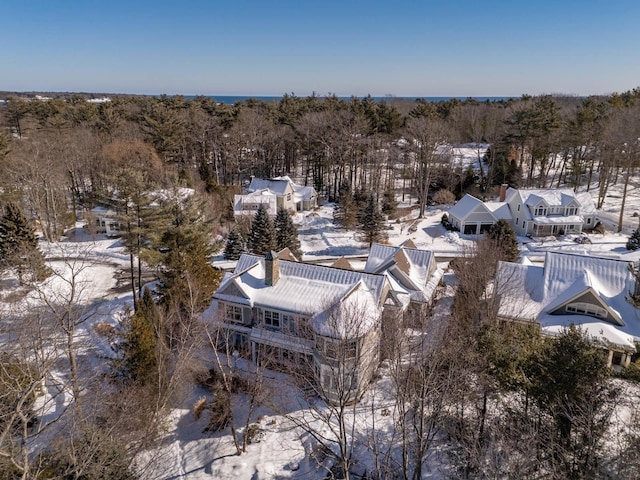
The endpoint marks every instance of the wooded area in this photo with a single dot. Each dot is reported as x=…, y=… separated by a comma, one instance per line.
x=64, y=155
x=507, y=401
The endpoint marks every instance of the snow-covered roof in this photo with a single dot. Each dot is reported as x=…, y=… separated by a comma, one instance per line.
x=279, y=187
x=103, y=212
x=500, y=210
x=264, y=197
x=552, y=196
x=352, y=317
x=587, y=205
x=300, y=191
x=465, y=206
x=301, y=288
x=529, y=292
x=408, y=269
x=561, y=220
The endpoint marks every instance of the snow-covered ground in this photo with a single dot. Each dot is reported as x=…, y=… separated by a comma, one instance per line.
x=284, y=451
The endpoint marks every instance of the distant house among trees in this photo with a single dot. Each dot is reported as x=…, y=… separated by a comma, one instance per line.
x=276, y=193
x=322, y=319
x=535, y=212
x=104, y=220
x=600, y=295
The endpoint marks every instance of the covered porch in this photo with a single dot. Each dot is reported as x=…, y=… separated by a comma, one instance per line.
x=545, y=226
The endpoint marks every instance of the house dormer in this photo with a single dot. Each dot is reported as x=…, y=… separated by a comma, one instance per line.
x=572, y=208
x=584, y=297
x=540, y=209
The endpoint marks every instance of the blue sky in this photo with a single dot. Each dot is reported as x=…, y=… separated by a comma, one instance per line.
x=349, y=47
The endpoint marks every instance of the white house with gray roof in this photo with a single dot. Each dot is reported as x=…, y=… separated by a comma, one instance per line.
x=541, y=212
x=275, y=193
x=324, y=318
x=534, y=212
x=593, y=293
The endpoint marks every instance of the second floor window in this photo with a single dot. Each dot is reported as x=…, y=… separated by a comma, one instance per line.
x=272, y=319
x=234, y=313
x=540, y=211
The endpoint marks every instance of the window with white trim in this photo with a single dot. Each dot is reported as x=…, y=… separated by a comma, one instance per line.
x=571, y=210
x=581, y=308
x=540, y=211
x=272, y=319
x=233, y=313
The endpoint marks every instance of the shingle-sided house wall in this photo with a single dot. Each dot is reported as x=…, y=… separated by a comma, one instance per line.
x=590, y=292
x=327, y=319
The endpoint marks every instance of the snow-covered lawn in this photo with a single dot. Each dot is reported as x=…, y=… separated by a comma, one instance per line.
x=284, y=452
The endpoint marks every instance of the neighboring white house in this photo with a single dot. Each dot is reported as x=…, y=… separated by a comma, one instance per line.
x=536, y=212
x=541, y=212
x=473, y=216
x=300, y=314
x=288, y=195
x=248, y=204
x=593, y=293
x=104, y=220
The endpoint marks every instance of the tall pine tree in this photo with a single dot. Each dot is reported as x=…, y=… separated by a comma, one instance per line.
x=182, y=251
x=142, y=346
x=19, y=245
x=234, y=246
x=262, y=236
x=372, y=222
x=504, y=236
x=345, y=212
x=287, y=233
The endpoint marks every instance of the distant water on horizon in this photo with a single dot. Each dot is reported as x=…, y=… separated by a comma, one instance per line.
x=230, y=99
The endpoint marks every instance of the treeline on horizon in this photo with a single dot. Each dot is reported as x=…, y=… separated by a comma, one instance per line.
x=498, y=400
x=66, y=150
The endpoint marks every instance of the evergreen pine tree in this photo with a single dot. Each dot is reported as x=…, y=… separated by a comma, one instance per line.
x=141, y=346
x=182, y=251
x=372, y=222
x=287, y=233
x=345, y=212
x=503, y=234
x=262, y=236
x=19, y=245
x=234, y=246
x=389, y=202
x=634, y=241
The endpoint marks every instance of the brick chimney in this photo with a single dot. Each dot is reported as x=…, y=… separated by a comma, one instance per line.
x=271, y=269
x=503, y=192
